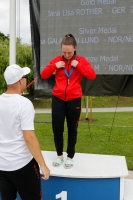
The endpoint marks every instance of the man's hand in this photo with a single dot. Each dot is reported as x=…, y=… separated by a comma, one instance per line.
x=45, y=171
x=60, y=64
x=34, y=148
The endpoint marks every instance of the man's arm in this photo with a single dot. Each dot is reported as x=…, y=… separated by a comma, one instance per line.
x=34, y=148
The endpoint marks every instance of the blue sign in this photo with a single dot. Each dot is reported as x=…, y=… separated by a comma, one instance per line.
x=63, y=188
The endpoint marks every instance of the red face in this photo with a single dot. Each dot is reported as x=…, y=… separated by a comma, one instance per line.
x=68, y=51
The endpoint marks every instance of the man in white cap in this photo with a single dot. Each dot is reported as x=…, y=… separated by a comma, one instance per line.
x=20, y=151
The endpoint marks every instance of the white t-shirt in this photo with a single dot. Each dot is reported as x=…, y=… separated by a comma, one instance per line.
x=16, y=114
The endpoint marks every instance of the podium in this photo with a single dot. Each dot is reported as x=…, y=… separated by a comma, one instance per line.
x=92, y=177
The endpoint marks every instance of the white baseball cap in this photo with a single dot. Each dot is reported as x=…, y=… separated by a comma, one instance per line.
x=14, y=73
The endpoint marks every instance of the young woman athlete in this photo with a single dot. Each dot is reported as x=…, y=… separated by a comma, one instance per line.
x=66, y=95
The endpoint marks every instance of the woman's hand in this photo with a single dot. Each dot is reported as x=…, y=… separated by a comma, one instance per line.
x=74, y=63
x=60, y=64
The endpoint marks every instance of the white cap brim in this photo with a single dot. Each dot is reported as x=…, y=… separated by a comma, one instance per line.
x=26, y=70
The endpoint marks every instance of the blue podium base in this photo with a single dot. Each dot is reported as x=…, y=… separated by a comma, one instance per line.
x=78, y=189
x=93, y=189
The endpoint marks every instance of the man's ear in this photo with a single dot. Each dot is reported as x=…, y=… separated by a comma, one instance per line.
x=20, y=81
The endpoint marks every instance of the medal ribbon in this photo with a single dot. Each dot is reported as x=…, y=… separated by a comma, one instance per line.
x=69, y=75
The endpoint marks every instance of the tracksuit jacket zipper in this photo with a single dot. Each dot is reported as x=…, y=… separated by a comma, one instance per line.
x=67, y=78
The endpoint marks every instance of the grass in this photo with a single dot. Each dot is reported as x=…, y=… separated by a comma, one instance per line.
x=109, y=134
x=97, y=102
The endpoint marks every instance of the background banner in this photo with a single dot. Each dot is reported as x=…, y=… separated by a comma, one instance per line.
x=104, y=33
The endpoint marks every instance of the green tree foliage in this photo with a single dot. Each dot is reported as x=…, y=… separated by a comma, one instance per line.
x=3, y=37
x=23, y=58
x=4, y=59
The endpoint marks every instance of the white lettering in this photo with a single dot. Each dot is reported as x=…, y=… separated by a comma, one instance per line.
x=43, y=42
x=87, y=2
x=94, y=11
x=89, y=40
x=92, y=59
x=123, y=68
x=68, y=13
x=86, y=31
x=53, y=14
x=131, y=9
x=107, y=30
x=118, y=10
x=96, y=67
x=109, y=59
x=93, y=2
x=62, y=195
x=121, y=39
x=77, y=40
x=54, y=41
x=106, y=1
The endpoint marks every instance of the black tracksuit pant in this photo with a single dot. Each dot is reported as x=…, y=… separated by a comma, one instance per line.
x=25, y=180
x=71, y=111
